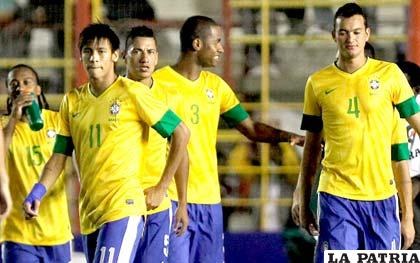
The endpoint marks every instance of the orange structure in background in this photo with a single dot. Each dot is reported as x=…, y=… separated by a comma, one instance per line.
x=413, y=42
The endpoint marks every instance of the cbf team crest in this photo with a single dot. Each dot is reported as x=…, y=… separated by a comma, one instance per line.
x=115, y=108
x=210, y=95
x=374, y=84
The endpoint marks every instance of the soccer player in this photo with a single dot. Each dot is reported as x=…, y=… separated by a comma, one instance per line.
x=47, y=238
x=141, y=57
x=106, y=122
x=200, y=97
x=352, y=102
x=412, y=72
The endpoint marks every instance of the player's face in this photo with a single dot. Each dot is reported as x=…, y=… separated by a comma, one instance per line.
x=211, y=49
x=98, y=59
x=141, y=58
x=351, y=36
x=22, y=80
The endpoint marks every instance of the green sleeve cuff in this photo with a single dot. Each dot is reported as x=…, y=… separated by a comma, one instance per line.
x=311, y=123
x=408, y=107
x=400, y=152
x=235, y=115
x=63, y=145
x=167, y=124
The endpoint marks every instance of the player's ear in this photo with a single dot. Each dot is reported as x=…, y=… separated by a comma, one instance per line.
x=37, y=90
x=115, y=55
x=197, y=44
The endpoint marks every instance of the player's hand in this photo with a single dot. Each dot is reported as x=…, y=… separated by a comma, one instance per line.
x=154, y=196
x=296, y=139
x=20, y=101
x=295, y=208
x=408, y=232
x=33, y=200
x=181, y=220
x=31, y=210
x=5, y=201
x=307, y=219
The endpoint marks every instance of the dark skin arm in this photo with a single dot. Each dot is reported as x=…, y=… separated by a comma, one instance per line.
x=260, y=132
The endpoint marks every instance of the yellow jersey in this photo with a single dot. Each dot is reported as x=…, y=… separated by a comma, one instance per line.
x=110, y=134
x=25, y=158
x=355, y=112
x=200, y=103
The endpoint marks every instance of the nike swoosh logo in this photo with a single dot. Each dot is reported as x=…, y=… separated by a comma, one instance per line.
x=329, y=91
x=75, y=114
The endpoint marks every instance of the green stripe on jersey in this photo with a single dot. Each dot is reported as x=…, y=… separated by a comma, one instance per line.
x=408, y=107
x=167, y=124
x=235, y=115
x=311, y=123
x=63, y=145
x=399, y=152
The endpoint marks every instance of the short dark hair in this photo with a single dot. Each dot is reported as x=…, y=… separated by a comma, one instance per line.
x=412, y=70
x=98, y=31
x=349, y=10
x=139, y=31
x=194, y=27
x=42, y=101
x=370, y=50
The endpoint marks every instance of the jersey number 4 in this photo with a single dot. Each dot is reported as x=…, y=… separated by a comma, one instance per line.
x=354, y=107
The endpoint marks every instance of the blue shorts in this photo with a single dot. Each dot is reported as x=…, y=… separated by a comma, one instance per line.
x=203, y=240
x=357, y=225
x=21, y=253
x=154, y=244
x=115, y=241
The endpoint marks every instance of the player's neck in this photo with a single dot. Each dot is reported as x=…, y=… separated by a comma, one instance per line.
x=98, y=86
x=187, y=67
x=350, y=65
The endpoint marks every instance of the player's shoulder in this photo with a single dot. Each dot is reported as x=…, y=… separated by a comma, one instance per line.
x=323, y=73
x=381, y=64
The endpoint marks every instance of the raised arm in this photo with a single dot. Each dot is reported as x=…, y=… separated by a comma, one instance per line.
x=177, y=152
x=308, y=168
x=51, y=172
x=404, y=187
x=260, y=132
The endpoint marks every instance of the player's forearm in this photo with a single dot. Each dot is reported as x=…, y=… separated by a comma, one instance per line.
x=414, y=122
x=52, y=169
x=181, y=180
x=309, y=165
x=177, y=151
x=8, y=131
x=404, y=187
x=261, y=132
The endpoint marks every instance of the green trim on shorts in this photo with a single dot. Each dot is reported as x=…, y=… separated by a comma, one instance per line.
x=167, y=124
x=235, y=115
x=399, y=152
x=63, y=145
x=408, y=107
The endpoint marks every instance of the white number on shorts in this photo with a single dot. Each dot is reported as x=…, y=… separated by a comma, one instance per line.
x=165, y=245
x=111, y=254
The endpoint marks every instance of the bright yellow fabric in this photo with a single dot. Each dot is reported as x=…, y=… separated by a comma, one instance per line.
x=199, y=104
x=357, y=112
x=25, y=159
x=110, y=133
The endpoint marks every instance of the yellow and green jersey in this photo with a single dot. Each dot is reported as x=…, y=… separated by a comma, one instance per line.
x=109, y=134
x=200, y=103
x=156, y=156
x=355, y=112
x=25, y=158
